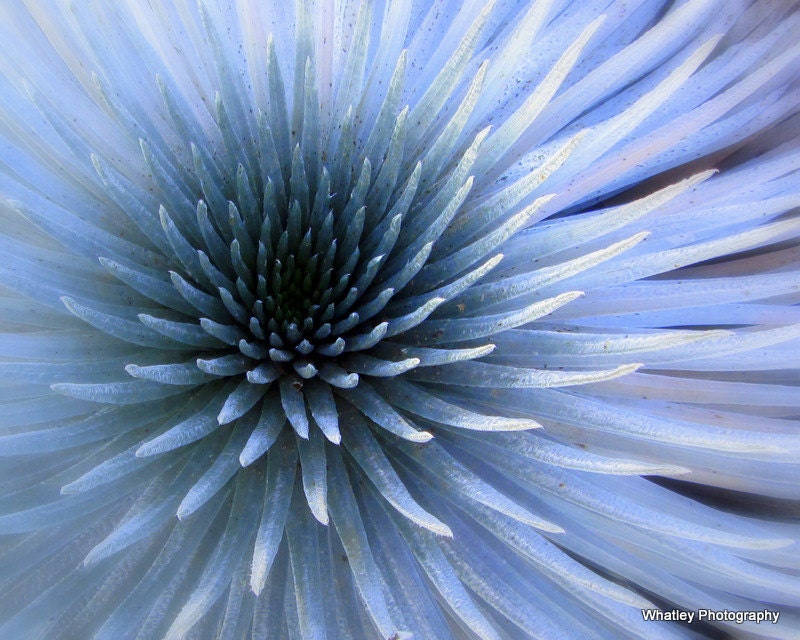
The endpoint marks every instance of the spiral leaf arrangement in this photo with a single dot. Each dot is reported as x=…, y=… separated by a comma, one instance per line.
x=286, y=314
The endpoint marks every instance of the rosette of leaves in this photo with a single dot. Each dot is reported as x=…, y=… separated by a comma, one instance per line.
x=367, y=320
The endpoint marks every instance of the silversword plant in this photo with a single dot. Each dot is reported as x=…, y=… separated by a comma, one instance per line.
x=360, y=319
